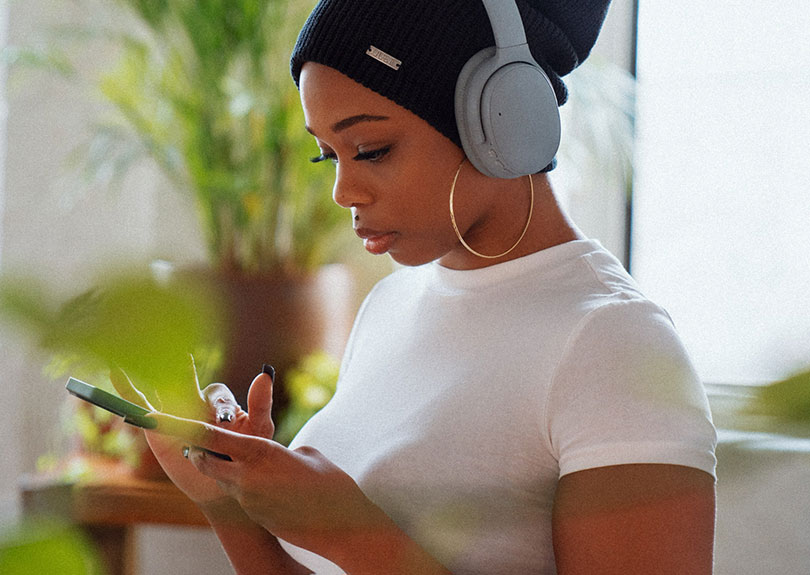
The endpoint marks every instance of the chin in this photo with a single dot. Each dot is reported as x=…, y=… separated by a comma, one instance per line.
x=410, y=259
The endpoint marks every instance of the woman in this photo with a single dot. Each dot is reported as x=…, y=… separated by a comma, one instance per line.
x=509, y=402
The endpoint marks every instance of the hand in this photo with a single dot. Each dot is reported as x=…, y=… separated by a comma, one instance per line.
x=217, y=404
x=298, y=495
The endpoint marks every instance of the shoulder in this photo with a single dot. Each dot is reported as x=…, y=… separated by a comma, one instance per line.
x=610, y=317
x=618, y=350
x=626, y=372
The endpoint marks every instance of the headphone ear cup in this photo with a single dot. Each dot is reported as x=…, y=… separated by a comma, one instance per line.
x=507, y=115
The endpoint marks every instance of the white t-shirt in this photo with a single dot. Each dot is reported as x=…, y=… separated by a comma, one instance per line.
x=465, y=395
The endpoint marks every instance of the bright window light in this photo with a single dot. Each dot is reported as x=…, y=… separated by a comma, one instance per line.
x=721, y=220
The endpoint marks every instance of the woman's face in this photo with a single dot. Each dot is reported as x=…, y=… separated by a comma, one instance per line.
x=393, y=170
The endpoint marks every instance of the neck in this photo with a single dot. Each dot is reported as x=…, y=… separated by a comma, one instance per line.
x=501, y=226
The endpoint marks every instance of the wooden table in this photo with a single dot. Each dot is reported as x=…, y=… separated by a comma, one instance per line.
x=109, y=506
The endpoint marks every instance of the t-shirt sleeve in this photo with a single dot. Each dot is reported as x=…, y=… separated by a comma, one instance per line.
x=626, y=392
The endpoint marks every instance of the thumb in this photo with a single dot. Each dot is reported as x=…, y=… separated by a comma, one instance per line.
x=260, y=403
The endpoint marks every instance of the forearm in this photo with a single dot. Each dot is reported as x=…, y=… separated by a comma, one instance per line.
x=378, y=547
x=250, y=548
x=393, y=553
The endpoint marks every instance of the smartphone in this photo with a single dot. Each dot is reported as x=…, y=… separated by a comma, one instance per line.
x=132, y=413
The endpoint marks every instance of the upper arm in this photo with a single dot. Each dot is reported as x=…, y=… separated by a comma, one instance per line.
x=635, y=519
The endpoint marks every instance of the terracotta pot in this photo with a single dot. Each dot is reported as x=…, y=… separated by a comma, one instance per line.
x=279, y=320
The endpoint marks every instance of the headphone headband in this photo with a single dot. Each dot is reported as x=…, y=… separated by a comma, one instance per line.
x=507, y=25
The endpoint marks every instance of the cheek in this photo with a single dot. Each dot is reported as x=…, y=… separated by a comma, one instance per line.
x=420, y=190
x=432, y=177
x=412, y=189
x=423, y=202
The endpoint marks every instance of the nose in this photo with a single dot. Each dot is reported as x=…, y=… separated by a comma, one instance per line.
x=349, y=190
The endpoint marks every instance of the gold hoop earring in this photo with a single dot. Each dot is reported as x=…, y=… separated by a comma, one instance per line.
x=458, y=233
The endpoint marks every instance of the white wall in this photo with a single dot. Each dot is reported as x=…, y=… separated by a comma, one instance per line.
x=9, y=438
x=53, y=226
x=615, y=42
x=763, y=505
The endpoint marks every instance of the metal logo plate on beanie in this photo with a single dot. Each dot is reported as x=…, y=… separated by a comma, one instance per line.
x=381, y=56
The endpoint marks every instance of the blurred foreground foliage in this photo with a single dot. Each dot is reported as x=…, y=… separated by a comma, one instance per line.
x=786, y=402
x=165, y=335
x=129, y=321
x=47, y=548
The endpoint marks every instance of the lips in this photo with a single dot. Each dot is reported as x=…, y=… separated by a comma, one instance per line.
x=375, y=241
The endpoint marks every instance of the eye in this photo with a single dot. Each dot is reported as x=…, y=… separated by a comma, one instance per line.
x=373, y=155
x=323, y=157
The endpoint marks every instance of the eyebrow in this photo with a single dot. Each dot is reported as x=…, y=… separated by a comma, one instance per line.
x=347, y=123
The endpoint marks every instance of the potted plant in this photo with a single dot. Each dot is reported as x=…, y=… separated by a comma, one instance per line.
x=202, y=89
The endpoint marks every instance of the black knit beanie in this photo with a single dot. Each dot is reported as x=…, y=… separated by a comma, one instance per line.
x=427, y=42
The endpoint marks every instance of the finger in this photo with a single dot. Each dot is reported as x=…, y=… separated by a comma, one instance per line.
x=190, y=430
x=218, y=396
x=211, y=464
x=162, y=445
x=225, y=474
x=187, y=449
x=126, y=389
x=260, y=404
x=200, y=434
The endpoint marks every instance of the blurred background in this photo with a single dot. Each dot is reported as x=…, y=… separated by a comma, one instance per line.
x=164, y=140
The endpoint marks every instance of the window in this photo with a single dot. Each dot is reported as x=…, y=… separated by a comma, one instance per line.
x=721, y=215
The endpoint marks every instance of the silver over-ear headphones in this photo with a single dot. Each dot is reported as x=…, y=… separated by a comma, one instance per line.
x=506, y=108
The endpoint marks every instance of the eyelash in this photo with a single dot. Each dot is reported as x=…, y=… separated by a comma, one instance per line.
x=370, y=156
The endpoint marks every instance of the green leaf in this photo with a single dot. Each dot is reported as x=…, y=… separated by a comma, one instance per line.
x=787, y=401
x=47, y=548
x=130, y=321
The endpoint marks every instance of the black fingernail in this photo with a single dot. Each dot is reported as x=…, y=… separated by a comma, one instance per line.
x=269, y=370
x=222, y=456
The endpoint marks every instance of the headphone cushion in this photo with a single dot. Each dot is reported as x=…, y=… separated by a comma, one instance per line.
x=507, y=116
